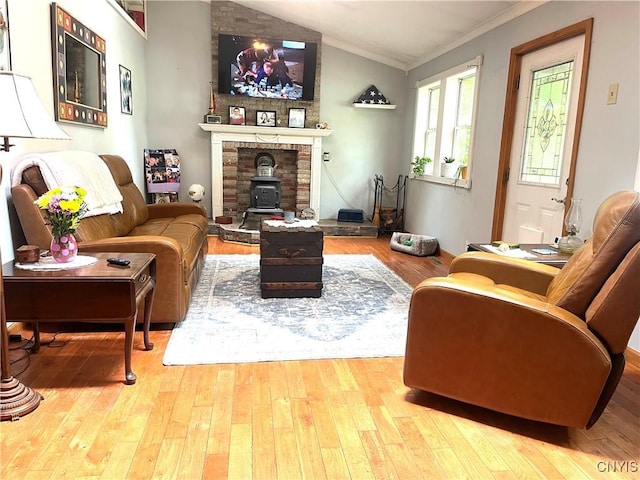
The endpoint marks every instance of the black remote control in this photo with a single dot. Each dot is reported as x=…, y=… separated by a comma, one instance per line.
x=122, y=262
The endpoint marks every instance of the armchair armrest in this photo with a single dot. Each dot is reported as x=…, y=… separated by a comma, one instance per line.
x=531, y=276
x=503, y=351
x=162, y=210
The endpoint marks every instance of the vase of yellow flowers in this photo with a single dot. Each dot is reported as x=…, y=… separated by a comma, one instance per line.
x=63, y=206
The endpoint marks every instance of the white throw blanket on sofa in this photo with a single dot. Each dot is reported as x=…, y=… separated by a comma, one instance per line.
x=75, y=168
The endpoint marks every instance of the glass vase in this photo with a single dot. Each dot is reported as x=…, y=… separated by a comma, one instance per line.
x=572, y=222
x=64, y=248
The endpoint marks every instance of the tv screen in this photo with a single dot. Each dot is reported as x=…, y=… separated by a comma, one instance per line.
x=260, y=67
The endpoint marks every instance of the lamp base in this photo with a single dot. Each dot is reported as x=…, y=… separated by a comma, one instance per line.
x=17, y=400
x=569, y=244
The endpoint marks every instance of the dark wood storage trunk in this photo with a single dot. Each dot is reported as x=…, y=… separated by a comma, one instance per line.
x=290, y=261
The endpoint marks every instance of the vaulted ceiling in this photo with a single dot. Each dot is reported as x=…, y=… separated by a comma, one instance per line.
x=402, y=34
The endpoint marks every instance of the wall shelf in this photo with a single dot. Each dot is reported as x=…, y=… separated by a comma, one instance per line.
x=374, y=105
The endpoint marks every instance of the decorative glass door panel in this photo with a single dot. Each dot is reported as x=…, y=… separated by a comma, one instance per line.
x=546, y=125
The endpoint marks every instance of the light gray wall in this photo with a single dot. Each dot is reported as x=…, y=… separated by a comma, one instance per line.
x=178, y=58
x=609, y=139
x=365, y=141
x=126, y=135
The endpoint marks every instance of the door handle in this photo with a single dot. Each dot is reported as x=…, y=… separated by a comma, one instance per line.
x=558, y=200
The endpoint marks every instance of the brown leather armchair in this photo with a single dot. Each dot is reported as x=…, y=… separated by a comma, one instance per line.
x=527, y=339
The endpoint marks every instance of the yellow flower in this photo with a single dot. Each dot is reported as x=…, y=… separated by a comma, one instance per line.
x=64, y=207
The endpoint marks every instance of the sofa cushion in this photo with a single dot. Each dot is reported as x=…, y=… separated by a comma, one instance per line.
x=134, y=206
x=182, y=230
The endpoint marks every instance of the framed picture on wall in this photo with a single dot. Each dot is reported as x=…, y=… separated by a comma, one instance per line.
x=5, y=48
x=126, y=96
x=266, y=118
x=79, y=71
x=297, y=117
x=236, y=115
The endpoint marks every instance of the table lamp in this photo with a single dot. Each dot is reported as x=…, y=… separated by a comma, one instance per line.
x=23, y=116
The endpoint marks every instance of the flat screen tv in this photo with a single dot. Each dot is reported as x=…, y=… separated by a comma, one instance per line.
x=261, y=67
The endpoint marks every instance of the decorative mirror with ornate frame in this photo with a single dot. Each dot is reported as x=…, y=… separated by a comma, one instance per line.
x=79, y=71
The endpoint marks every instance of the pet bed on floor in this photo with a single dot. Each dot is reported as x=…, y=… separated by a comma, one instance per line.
x=419, y=245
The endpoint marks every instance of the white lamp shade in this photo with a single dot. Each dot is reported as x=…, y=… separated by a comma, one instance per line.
x=22, y=114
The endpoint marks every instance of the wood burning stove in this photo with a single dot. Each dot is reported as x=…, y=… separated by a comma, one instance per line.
x=265, y=191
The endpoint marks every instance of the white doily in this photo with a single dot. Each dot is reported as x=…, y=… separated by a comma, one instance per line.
x=296, y=223
x=48, y=264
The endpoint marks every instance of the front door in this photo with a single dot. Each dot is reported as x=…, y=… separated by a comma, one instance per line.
x=540, y=137
x=539, y=168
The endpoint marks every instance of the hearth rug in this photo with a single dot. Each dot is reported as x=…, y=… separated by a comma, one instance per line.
x=362, y=312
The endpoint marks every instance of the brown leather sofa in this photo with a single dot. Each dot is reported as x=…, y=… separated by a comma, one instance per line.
x=528, y=339
x=175, y=232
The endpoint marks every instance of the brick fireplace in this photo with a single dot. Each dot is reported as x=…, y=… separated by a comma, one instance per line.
x=293, y=169
x=298, y=155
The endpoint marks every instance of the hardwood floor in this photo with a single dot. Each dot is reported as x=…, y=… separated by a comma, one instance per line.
x=333, y=419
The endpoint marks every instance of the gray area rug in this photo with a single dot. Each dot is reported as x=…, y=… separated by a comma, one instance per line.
x=362, y=313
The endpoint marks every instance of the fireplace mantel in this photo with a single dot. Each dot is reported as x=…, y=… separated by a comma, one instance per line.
x=266, y=132
x=262, y=135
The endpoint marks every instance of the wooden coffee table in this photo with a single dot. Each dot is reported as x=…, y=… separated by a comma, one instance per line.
x=99, y=293
x=290, y=260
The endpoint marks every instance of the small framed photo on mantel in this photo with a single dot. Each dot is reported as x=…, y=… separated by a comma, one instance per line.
x=266, y=118
x=297, y=117
x=236, y=115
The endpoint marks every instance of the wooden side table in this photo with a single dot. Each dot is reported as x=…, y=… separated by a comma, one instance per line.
x=557, y=260
x=99, y=293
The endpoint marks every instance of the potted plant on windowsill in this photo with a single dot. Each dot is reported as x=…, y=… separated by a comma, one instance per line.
x=448, y=167
x=418, y=165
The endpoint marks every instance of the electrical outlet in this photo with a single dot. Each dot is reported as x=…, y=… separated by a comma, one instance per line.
x=612, y=98
x=15, y=337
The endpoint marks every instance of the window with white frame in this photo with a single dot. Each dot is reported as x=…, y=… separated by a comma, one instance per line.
x=446, y=107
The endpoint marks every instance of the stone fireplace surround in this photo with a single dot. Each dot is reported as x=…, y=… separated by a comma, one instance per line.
x=233, y=149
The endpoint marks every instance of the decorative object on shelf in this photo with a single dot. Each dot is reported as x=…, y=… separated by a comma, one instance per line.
x=266, y=118
x=297, y=117
x=371, y=97
x=448, y=167
x=126, y=93
x=135, y=10
x=196, y=192
x=5, y=47
x=418, y=164
x=23, y=115
x=236, y=115
x=573, y=222
x=77, y=50
x=210, y=116
x=63, y=206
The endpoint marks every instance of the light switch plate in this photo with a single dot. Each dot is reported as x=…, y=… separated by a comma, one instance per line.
x=612, y=98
